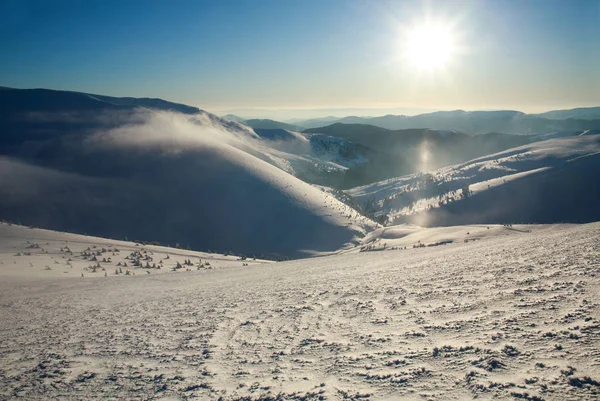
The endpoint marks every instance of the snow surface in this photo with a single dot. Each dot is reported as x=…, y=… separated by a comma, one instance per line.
x=505, y=317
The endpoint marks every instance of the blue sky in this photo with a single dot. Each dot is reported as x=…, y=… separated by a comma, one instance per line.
x=530, y=55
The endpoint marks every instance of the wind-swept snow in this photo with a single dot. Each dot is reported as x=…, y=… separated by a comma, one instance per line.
x=507, y=316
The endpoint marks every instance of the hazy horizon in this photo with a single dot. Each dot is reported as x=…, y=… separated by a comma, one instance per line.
x=291, y=115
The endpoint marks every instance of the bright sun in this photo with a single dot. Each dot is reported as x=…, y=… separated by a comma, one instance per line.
x=429, y=46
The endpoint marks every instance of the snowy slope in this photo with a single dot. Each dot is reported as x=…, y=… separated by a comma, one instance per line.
x=506, y=317
x=175, y=179
x=545, y=182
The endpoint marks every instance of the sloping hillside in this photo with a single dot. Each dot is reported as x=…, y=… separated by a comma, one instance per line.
x=216, y=198
x=544, y=182
x=155, y=175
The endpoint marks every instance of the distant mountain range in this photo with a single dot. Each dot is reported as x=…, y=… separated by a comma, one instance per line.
x=469, y=122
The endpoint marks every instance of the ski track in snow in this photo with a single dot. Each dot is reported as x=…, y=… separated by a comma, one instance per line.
x=504, y=317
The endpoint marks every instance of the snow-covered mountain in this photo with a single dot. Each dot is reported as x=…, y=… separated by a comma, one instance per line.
x=158, y=175
x=544, y=182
